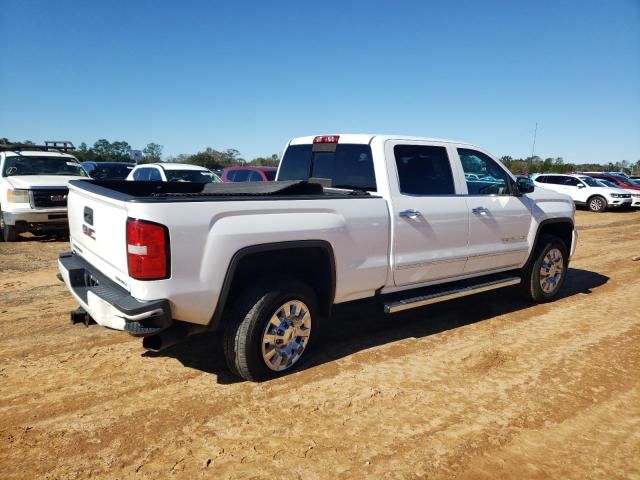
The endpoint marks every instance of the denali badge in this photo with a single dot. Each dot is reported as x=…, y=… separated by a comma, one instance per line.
x=58, y=198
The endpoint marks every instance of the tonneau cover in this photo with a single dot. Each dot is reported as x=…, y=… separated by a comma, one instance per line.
x=292, y=187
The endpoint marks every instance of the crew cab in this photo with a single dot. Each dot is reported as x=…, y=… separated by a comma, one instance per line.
x=585, y=191
x=392, y=219
x=33, y=186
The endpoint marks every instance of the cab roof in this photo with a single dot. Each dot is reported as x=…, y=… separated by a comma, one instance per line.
x=367, y=138
x=174, y=166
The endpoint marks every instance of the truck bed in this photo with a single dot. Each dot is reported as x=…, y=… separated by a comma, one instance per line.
x=139, y=191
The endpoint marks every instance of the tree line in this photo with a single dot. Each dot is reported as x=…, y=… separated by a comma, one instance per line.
x=118, y=151
x=535, y=164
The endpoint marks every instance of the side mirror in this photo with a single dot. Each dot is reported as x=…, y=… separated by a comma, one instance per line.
x=524, y=184
x=580, y=185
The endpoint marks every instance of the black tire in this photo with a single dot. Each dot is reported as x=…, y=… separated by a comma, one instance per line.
x=531, y=274
x=597, y=204
x=248, y=322
x=9, y=233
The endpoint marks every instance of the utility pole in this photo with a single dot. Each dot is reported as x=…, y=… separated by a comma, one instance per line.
x=533, y=147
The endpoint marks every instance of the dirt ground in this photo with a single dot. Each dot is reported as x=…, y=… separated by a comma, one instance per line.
x=483, y=387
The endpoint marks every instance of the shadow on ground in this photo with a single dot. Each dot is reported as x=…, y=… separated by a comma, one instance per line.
x=44, y=236
x=362, y=325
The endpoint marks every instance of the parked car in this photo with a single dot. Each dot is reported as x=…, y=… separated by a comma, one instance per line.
x=249, y=174
x=585, y=191
x=172, y=172
x=33, y=186
x=266, y=263
x=108, y=170
x=635, y=194
x=621, y=182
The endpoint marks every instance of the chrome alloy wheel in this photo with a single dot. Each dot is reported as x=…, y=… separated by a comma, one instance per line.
x=286, y=335
x=551, y=270
x=596, y=204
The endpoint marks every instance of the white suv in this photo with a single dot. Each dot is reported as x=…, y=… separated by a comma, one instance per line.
x=585, y=191
x=33, y=186
x=172, y=172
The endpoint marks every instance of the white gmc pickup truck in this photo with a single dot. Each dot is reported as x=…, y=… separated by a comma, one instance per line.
x=33, y=186
x=403, y=221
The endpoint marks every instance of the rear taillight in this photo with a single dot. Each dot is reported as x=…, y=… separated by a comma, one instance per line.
x=327, y=139
x=147, y=250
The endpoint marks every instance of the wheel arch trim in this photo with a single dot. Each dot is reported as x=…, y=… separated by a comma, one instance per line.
x=216, y=319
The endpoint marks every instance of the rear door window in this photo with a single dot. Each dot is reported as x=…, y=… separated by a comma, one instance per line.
x=154, y=175
x=349, y=166
x=241, y=175
x=142, y=174
x=254, y=176
x=423, y=170
x=556, y=180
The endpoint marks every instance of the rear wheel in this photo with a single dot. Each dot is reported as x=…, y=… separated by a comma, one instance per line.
x=271, y=330
x=597, y=204
x=547, y=269
x=9, y=232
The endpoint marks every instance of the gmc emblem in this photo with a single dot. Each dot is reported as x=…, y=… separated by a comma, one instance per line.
x=88, y=231
x=58, y=198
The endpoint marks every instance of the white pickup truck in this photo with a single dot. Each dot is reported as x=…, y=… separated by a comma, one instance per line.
x=403, y=221
x=33, y=186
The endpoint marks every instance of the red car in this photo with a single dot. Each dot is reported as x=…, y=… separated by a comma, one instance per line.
x=617, y=179
x=249, y=174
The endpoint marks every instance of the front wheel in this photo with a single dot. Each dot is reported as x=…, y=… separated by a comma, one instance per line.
x=547, y=269
x=9, y=232
x=271, y=329
x=597, y=204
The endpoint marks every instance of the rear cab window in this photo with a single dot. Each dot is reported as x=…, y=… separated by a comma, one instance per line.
x=423, y=170
x=344, y=165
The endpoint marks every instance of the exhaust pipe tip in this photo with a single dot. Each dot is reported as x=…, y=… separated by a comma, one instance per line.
x=152, y=343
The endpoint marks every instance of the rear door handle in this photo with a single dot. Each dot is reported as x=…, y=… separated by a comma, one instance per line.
x=480, y=210
x=411, y=213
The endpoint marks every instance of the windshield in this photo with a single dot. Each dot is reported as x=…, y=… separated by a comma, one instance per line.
x=198, y=176
x=590, y=181
x=607, y=183
x=270, y=174
x=28, y=165
x=111, y=172
x=350, y=166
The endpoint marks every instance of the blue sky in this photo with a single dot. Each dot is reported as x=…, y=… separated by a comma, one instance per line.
x=251, y=75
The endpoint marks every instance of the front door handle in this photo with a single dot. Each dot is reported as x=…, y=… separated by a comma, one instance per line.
x=411, y=213
x=480, y=210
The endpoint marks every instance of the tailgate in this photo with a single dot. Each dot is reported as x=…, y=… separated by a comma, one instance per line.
x=97, y=226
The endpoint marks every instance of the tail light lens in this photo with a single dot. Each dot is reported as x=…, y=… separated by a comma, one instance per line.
x=147, y=250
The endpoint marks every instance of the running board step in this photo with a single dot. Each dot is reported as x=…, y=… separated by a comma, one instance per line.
x=408, y=303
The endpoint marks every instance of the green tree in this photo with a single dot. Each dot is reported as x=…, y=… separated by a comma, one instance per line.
x=102, y=149
x=272, y=161
x=152, y=152
x=120, y=151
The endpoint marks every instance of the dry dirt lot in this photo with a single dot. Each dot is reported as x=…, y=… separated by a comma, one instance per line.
x=484, y=387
